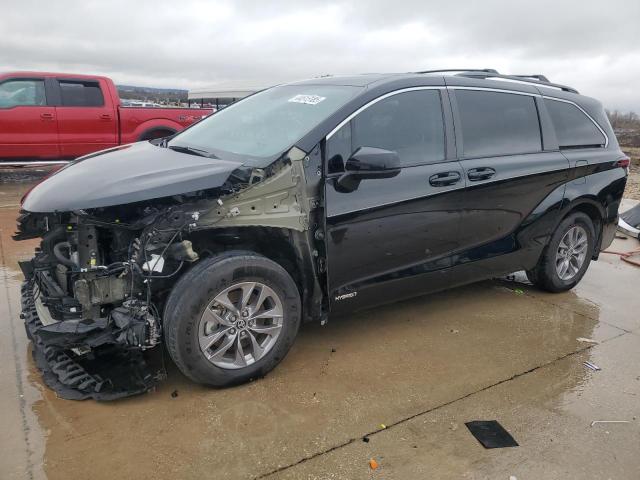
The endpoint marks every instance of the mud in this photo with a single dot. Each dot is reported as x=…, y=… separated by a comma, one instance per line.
x=494, y=350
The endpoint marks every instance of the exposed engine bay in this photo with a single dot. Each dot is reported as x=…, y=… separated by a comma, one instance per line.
x=96, y=287
x=97, y=281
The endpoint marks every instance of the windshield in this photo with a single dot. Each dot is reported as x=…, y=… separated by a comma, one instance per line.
x=266, y=124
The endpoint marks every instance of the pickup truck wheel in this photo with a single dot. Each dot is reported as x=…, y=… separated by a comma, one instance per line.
x=231, y=319
x=567, y=256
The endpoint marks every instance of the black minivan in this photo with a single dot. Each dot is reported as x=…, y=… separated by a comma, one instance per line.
x=306, y=200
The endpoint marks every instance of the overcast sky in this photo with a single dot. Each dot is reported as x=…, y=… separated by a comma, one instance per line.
x=591, y=45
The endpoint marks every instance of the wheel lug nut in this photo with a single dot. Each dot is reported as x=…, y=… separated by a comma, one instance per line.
x=232, y=331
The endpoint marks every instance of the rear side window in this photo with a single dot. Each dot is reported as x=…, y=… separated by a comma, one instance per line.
x=573, y=128
x=495, y=123
x=81, y=94
x=19, y=92
x=408, y=123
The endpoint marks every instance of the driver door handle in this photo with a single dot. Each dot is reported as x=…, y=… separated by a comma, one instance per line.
x=444, y=179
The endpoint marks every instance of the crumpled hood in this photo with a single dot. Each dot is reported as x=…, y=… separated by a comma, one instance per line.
x=126, y=174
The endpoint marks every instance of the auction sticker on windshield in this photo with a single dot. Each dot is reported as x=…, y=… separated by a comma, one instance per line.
x=308, y=99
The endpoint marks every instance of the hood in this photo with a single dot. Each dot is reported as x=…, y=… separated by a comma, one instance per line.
x=127, y=174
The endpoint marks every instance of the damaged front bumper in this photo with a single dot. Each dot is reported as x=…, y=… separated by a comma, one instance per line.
x=81, y=360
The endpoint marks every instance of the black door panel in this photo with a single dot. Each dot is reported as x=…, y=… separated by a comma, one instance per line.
x=377, y=233
x=508, y=173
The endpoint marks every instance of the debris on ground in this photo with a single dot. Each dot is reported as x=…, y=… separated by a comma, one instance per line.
x=627, y=256
x=453, y=330
x=174, y=394
x=365, y=439
x=333, y=350
x=382, y=426
x=518, y=291
x=587, y=340
x=592, y=366
x=373, y=464
x=595, y=422
x=491, y=434
x=629, y=222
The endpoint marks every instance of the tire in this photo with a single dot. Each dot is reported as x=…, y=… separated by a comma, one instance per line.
x=156, y=134
x=188, y=319
x=545, y=274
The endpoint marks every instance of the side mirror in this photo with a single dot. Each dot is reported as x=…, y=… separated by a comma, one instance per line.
x=368, y=163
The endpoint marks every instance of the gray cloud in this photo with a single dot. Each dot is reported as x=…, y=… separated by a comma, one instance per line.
x=593, y=46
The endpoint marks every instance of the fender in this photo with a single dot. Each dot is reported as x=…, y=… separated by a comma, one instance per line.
x=593, y=194
x=599, y=195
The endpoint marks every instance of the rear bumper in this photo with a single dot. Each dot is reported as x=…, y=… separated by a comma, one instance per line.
x=107, y=372
x=608, y=234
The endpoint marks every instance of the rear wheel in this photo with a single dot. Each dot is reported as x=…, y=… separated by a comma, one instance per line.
x=155, y=134
x=567, y=256
x=231, y=318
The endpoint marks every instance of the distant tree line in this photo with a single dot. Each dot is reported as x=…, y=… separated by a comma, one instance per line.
x=626, y=126
x=163, y=96
x=623, y=121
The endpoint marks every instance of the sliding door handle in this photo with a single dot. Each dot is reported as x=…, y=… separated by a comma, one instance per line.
x=481, y=173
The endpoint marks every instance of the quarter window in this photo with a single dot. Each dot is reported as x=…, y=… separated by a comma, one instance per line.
x=408, y=123
x=573, y=128
x=495, y=123
x=81, y=94
x=15, y=93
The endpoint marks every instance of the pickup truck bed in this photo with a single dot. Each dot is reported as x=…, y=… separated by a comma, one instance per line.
x=52, y=116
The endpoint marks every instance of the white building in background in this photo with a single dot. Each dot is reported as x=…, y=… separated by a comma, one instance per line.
x=222, y=94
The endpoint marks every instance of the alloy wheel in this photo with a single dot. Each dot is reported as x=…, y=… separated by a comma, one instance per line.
x=572, y=251
x=240, y=325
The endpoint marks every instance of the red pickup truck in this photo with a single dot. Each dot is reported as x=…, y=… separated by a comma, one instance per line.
x=50, y=116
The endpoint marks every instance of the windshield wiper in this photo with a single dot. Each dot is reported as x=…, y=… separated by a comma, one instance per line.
x=190, y=150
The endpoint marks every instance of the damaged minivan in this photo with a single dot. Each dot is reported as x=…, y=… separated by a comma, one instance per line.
x=302, y=201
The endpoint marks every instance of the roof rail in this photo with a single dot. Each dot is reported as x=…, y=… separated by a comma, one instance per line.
x=536, y=79
x=485, y=70
x=537, y=76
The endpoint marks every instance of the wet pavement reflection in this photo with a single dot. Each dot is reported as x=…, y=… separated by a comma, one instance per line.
x=494, y=350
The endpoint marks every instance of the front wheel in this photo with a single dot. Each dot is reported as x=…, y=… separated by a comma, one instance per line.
x=567, y=256
x=232, y=318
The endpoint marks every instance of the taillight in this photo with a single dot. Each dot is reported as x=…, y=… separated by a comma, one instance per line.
x=623, y=162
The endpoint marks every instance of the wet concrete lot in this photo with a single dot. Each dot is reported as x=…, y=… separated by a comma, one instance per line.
x=422, y=368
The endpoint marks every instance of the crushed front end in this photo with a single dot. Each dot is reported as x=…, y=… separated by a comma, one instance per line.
x=109, y=257
x=93, y=292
